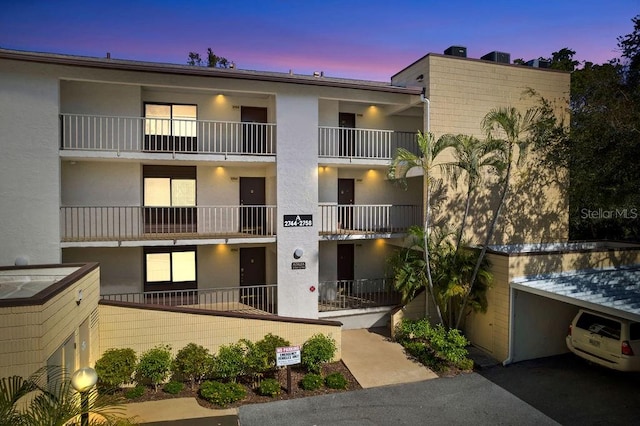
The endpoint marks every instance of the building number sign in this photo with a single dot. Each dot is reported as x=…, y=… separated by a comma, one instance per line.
x=297, y=220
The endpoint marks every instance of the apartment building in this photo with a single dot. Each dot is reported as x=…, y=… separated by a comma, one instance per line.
x=256, y=190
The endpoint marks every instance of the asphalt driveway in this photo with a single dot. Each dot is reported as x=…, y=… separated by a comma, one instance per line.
x=572, y=391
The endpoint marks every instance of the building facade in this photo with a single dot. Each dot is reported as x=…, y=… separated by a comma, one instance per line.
x=271, y=186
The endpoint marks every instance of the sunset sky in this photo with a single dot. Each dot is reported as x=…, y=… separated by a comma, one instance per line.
x=347, y=38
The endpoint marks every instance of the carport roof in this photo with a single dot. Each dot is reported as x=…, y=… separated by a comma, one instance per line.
x=614, y=291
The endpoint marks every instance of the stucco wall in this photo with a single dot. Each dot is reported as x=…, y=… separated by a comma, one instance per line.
x=30, y=172
x=211, y=331
x=121, y=269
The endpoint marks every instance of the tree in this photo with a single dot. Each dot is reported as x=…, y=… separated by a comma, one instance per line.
x=563, y=60
x=402, y=163
x=213, y=60
x=47, y=398
x=512, y=127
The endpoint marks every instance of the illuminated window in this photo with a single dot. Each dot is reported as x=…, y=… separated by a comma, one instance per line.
x=170, y=127
x=170, y=268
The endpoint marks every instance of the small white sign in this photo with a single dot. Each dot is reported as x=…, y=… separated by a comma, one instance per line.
x=288, y=355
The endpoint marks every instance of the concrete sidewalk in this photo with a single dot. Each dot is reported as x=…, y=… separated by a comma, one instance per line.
x=370, y=356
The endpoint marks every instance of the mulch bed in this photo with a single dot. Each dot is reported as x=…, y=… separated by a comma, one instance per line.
x=253, y=397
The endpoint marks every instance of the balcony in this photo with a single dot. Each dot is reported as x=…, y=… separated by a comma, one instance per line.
x=136, y=223
x=356, y=294
x=367, y=221
x=152, y=135
x=260, y=299
x=364, y=144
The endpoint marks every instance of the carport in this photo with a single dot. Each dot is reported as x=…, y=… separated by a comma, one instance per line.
x=542, y=306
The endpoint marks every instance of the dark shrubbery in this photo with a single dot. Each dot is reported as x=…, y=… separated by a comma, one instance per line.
x=193, y=362
x=312, y=381
x=173, y=388
x=269, y=387
x=116, y=367
x=135, y=392
x=222, y=394
x=317, y=350
x=336, y=381
x=155, y=366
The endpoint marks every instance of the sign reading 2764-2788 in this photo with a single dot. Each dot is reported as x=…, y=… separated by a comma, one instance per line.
x=297, y=220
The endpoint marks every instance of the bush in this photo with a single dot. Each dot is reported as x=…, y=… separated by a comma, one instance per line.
x=222, y=394
x=173, y=387
x=336, y=381
x=116, y=367
x=317, y=350
x=155, y=365
x=311, y=381
x=193, y=362
x=229, y=363
x=268, y=345
x=135, y=392
x=269, y=387
x=255, y=359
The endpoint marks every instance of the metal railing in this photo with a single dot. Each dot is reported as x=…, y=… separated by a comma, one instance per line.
x=368, y=219
x=119, y=223
x=156, y=135
x=341, y=142
x=257, y=299
x=356, y=294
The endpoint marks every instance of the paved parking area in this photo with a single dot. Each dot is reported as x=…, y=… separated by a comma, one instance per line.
x=572, y=391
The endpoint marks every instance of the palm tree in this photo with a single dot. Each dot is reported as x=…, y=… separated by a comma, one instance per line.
x=513, y=125
x=473, y=156
x=47, y=398
x=405, y=161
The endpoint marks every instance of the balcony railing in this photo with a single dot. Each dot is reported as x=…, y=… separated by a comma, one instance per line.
x=341, y=142
x=356, y=294
x=367, y=219
x=122, y=223
x=155, y=135
x=258, y=299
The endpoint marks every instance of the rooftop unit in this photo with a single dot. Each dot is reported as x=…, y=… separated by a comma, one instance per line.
x=539, y=63
x=459, y=51
x=500, y=57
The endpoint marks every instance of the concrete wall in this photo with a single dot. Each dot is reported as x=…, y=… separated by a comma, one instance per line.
x=30, y=334
x=30, y=172
x=83, y=97
x=95, y=183
x=211, y=331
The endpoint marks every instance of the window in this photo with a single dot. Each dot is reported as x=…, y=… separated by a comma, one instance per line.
x=170, y=127
x=170, y=268
x=169, y=199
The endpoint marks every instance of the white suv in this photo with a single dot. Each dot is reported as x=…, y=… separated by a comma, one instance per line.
x=605, y=340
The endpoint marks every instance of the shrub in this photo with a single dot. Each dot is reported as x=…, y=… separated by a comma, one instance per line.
x=193, y=362
x=155, y=365
x=222, y=394
x=229, y=363
x=255, y=359
x=269, y=387
x=268, y=345
x=336, y=381
x=317, y=350
x=311, y=381
x=173, y=387
x=116, y=367
x=135, y=392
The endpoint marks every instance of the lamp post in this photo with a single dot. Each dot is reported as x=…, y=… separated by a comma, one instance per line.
x=82, y=381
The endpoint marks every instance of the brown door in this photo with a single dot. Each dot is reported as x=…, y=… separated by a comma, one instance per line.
x=345, y=201
x=345, y=268
x=252, y=216
x=253, y=273
x=254, y=132
x=347, y=134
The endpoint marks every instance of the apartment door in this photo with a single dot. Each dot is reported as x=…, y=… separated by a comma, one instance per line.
x=346, y=190
x=253, y=273
x=345, y=268
x=252, y=196
x=254, y=132
x=347, y=122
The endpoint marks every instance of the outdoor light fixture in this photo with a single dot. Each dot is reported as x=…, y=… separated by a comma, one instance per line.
x=82, y=381
x=79, y=296
x=297, y=254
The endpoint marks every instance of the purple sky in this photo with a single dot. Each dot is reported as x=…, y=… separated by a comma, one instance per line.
x=346, y=38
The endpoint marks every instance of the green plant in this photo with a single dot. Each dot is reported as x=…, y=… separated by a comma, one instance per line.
x=317, y=350
x=229, y=363
x=336, y=381
x=116, y=367
x=134, y=392
x=311, y=381
x=193, y=362
x=268, y=345
x=155, y=365
x=222, y=394
x=269, y=387
x=255, y=359
x=173, y=388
